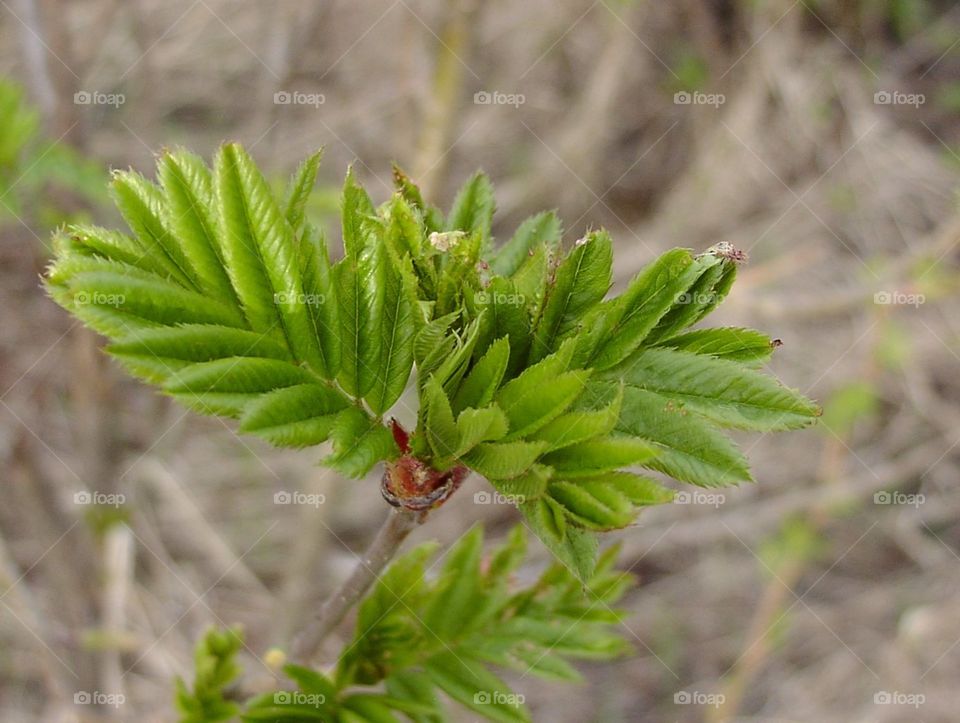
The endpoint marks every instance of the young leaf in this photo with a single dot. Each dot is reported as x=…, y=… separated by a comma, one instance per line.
x=630, y=317
x=397, y=331
x=582, y=280
x=358, y=443
x=746, y=346
x=300, y=188
x=481, y=383
x=297, y=416
x=479, y=425
x=188, y=188
x=441, y=427
x=503, y=460
x=544, y=228
x=689, y=449
x=718, y=389
x=473, y=207
x=253, y=217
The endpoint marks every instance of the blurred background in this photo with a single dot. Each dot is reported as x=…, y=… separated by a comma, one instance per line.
x=821, y=137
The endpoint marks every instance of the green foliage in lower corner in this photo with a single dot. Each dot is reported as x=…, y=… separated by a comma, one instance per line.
x=425, y=643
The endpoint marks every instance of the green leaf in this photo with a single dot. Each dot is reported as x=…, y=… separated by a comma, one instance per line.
x=226, y=386
x=633, y=315
x=216, y=668
x=471, y=684
x=481, y=383
x=692, y=304
x=503, y=460
x=541, y=393
x=319, y=295
x=473, y=207
x=299, y=190
x=582, y=280
x=441, y=427
x=167, y=349
x=718, y=389
x=579, y=426
x=599, y=454
x=188, y=188
x=360, y=282
x=479, y=425
x=544, y=228
x=454, y=603
x=298, y=416
x=397, y=332
x=746, y=346
x=576, y=549
x=356, y=212
x=505, y=314
x=358, y=443
x=254, y=220
x=142, y=206
x=689, y=448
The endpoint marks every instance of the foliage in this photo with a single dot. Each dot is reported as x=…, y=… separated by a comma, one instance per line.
x=417, y=637
x=216, y=667
x=225, y=296
x=32, y=167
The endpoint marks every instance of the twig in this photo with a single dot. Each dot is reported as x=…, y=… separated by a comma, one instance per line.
x=392, y=533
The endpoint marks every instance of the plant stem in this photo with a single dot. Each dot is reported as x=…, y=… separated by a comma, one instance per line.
x=392, y=533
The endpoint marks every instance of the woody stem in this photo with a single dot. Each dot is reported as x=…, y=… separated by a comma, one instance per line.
x=392, y=533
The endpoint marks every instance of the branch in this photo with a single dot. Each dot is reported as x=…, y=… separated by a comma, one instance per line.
x=392, y=533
